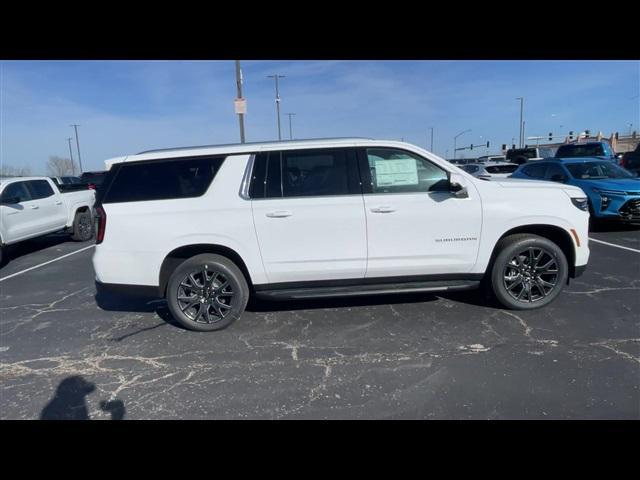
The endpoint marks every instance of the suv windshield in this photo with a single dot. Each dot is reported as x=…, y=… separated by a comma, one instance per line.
x=586, y=150
x=522, y=152
x=597, y=171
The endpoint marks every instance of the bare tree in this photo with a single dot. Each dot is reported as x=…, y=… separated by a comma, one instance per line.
x=60, y=167
x=11, y=171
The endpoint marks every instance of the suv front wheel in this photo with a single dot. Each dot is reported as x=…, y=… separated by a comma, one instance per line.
x=529, y=272
x=207, y=292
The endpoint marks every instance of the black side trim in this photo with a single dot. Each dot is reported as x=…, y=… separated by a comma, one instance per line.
x=577, y=271
x=127, y=290
x=371, y=281
x=352, y=290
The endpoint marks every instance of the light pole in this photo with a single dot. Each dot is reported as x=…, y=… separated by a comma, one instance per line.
x=290, y=130
x=455, y=140
x=75, y=127
x=276, y=76
x=431, y=139
x=73, y=168
x=521, y=124
x=240, y=99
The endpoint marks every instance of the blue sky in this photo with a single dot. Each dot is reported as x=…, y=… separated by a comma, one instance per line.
x=128, y=106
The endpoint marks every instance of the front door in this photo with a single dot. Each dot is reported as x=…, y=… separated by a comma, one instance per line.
x=415, y=224
x=309, y=215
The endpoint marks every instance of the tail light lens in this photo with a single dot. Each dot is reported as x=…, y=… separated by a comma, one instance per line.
x=92, y=186
x=101, y=220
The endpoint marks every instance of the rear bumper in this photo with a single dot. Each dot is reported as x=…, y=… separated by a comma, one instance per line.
x=147, y=291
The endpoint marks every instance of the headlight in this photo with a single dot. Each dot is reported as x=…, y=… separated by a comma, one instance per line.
x=605, y=197
x=582, y=203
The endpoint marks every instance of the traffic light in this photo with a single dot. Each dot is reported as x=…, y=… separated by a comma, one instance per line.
x=616, y=135
x=487, y=144
x=513, y=146
x=587, y=133
x=471, y=147
x=504, y=146
x=550, y=136
x=571, y=135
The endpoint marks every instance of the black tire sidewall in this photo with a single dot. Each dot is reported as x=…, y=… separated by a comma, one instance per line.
x=509, y=248
x=214, y=262
x=76, y=233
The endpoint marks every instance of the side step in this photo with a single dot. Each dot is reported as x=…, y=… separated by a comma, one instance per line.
x=352, y=290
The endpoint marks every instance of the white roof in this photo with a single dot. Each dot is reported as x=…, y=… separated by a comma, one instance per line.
x=240, y=148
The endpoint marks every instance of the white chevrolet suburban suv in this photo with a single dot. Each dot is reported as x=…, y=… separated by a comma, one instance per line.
x=34, y=206
x=206, y=227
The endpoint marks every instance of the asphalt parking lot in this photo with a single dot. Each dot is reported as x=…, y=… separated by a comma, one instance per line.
x=66, y=354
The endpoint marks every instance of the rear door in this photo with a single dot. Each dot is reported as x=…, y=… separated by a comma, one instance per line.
x=52, y=212
x=309, y=215
x=415, y=224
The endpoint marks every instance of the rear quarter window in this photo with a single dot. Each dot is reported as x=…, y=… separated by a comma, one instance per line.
x=162, y=179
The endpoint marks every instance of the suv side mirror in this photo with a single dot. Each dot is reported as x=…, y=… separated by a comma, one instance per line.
x=458, y=186
x=10, y=200
x=558, y=177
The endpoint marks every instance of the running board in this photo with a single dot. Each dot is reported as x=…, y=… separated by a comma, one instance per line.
x=353, y=290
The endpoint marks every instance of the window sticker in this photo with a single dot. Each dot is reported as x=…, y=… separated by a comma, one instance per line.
x=396, y=172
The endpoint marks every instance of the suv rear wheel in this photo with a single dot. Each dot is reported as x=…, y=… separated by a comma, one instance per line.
x=529, y=272
x=207, y=292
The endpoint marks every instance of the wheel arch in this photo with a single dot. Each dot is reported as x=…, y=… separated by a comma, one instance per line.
x=180, y=254
x=556, y=234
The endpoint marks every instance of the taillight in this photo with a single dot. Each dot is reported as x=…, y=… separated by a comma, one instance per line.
x=92, y=186
x=101, y=220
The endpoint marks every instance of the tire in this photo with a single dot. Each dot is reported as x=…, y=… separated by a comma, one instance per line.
x=532, y=280
x=222, y=304
x=82, y=229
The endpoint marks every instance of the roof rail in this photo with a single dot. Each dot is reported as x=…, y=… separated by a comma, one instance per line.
x=271, y=142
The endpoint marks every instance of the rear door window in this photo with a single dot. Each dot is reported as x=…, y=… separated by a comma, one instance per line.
x=535, y=170
x=162, y=179
x=40, y=189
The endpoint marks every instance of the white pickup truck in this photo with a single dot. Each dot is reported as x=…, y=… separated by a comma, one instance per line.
x=34, y=206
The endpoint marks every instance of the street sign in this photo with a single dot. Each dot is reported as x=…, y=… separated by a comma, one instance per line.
x=241, y=105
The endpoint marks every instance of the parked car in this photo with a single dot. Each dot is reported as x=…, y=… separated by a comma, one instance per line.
x=598, y=149
x=34, y=206
x=631, y=160
x=206, y=227
x=491, y=158
x=613, y=192
x=93, y=179
x=490, y=170
x=523, y=155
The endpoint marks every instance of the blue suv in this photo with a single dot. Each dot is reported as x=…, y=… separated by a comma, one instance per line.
x=598, y=149
x=613, y=192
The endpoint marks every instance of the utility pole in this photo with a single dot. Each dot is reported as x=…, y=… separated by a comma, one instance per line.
x=276, y=76
x=240, y=102
x=290, y=130
x=77, y=145
x=521, y=124
x=73, y=167
x=431, y=139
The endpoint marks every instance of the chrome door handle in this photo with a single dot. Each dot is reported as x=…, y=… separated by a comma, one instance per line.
x=279, y=214
x=383, y=210
x=58, y=203
x=34, y=207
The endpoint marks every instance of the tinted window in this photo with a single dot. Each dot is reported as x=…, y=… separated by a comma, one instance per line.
x=535, y=170
x=522, y=152
x=397, y=171
x=161, y=180
x=93, y=177
x=586, y=150
x=302, y=173
x=40, y=189
x=470, y=168
x=17, y=189
x=554, y=170
x=501, y=168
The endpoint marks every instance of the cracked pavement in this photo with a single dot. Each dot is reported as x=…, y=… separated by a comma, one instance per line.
x=385, y=357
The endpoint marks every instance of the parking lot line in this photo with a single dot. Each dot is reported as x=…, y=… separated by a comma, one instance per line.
x=45, y=263
x=614, y=245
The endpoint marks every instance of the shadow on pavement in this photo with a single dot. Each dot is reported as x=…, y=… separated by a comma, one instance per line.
x=12, y=252
x=599, y=226
x=69, y=402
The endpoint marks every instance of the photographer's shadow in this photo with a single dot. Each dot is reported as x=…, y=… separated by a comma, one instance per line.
x=69, y=402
